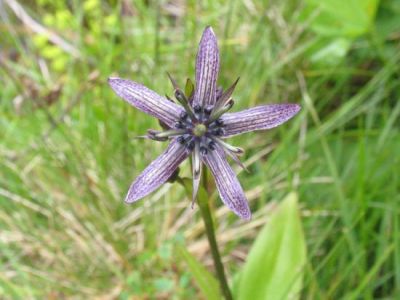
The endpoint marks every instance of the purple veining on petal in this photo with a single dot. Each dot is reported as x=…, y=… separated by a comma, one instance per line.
x=258, y=118
x=227, y=183
x=158, y=172
x=146, y=100
x=207, y=67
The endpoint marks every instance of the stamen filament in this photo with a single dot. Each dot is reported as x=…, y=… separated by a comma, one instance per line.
x=233, y=149
x=236, y=160
x=165, y=134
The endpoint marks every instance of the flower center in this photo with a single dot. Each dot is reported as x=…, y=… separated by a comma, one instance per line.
x=199, y=130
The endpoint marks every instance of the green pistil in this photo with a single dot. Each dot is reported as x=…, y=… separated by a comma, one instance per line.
x=199, y=130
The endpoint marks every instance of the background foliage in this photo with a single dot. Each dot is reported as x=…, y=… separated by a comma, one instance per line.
x=68, y=150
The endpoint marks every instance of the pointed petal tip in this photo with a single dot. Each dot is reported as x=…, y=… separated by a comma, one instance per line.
x=129, y=199
x=115, y=83
x=132, y=196
x=111, y=79
x=247, y=217
x=209, y=29
x=229, y=188
x=294, y=108
x=243, y=212
x=209, y=33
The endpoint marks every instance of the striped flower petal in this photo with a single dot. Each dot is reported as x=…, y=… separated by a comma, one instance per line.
x=207, y=67
x=258, y=118
x=158, y=172
x=146, y=100
x=227, y=183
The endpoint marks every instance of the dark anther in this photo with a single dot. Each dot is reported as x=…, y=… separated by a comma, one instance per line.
x=211, y=145
x=181, y=139
x=197, y=108
x=208, y=110
x=179, y=125
x=219, y=122
x=203, y=150
x=219, y=131
x=190, y=145
x=183, y=115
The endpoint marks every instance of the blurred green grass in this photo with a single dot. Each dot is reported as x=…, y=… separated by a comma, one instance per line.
x=68, y=150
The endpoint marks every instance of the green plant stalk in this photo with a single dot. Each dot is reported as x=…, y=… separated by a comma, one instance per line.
x=209, y=226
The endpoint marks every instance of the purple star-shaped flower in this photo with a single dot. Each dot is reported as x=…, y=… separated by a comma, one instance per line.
x=198, y=127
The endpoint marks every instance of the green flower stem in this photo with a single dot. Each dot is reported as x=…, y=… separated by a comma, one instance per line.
x=208, y=223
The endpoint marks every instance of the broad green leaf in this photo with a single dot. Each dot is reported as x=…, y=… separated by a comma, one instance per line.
x=330, y=51
x=388, y=21
x=342, y=18
x=275, y=265
x=337, y=23
x=205, y=280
